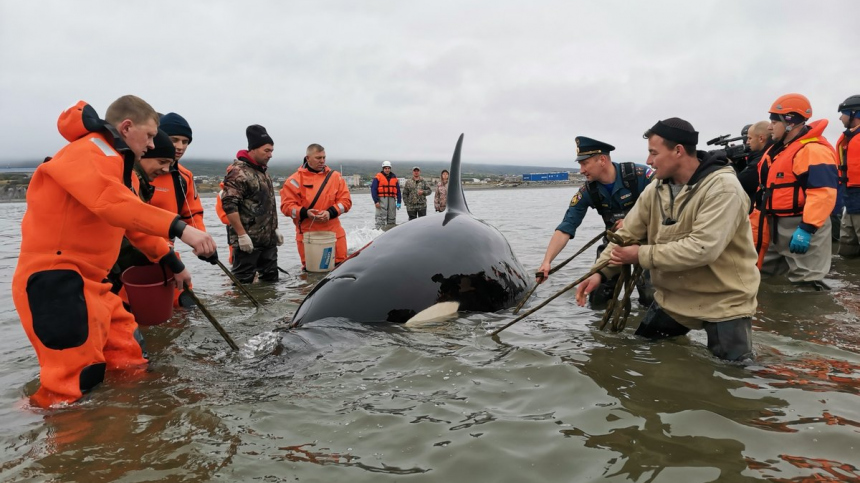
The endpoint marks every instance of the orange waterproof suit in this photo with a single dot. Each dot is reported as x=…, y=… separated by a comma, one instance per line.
x=297, y=197
x=176, y=193
x=79, y=206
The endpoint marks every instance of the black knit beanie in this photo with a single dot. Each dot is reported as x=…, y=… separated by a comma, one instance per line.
x=163, y=147
x=257, y=136
x=676, y=130
x=175, y=125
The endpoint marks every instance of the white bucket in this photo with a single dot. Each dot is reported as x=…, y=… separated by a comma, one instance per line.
x=319, y=250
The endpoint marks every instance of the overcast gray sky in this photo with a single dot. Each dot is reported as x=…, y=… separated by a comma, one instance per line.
x=400, y=80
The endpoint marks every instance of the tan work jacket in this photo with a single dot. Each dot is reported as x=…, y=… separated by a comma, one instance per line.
x=703, y=266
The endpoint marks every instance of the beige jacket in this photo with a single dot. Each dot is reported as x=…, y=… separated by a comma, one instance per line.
x=703, y=266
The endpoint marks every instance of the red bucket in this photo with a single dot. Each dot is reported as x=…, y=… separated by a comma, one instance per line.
x=150, y=298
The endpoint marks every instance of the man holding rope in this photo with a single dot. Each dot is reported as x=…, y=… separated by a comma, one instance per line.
x=611, y=189
x=695, y=238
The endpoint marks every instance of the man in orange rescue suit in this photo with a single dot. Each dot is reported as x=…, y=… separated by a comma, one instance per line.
x=799, y=178
x=385, y=191
x=79, y=206
x=848, y=149
x=175, y=191
x=314, y=197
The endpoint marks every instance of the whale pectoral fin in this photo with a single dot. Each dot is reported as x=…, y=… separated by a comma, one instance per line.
x=434, y=313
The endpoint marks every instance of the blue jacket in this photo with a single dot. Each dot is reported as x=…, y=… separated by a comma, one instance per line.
x=619, y=201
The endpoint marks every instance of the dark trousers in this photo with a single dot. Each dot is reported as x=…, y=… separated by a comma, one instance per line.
x=730, y=340
x=261, y=260
x=416, y=212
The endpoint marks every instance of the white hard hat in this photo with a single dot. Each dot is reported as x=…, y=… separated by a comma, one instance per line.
x=386, y=164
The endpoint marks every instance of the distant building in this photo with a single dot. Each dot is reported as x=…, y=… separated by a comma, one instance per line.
x=353, y=180
x=560, y=176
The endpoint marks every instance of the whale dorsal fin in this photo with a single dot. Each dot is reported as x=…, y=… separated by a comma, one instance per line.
x=456, y=198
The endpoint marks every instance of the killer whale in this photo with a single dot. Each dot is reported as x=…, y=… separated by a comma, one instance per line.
x=436, y=259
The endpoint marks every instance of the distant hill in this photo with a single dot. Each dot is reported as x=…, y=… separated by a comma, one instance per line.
x=368, y=169
x=15, y=177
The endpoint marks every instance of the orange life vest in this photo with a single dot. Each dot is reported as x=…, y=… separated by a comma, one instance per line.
x=785, y=194
x=848, y=150
x=387, y=187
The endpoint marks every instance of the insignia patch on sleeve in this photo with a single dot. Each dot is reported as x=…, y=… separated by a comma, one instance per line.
x=649, y=173
x=576, y=198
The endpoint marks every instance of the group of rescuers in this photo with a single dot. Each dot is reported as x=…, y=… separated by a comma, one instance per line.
x=117, y=196
x=705, y=232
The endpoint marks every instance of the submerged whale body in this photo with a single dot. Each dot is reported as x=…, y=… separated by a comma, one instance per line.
x=436, y=259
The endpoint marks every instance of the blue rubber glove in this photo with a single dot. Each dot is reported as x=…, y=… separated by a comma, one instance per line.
x=800, y=241
x=398, y=206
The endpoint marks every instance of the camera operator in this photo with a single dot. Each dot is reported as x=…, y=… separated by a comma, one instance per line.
x=758, y=140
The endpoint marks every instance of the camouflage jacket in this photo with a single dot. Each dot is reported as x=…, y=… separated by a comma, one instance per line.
x=249, y=191
x=410, y=193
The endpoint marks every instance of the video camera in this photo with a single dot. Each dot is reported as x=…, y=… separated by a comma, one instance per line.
x=737, y=153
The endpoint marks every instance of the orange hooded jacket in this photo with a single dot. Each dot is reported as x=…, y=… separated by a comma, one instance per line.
x=176, y=193
x=299, y=191
x=79, y=206
x=81, y=203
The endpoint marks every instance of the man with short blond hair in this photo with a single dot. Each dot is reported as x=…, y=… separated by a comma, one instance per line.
x=132, y=108
x=80, y=205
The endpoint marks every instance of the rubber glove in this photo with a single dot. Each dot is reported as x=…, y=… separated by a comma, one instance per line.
x=398, y=206
x=800, y=241
x=280, y=237
x=245, y=243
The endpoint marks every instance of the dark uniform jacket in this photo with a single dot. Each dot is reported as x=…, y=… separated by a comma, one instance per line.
x=616, y=204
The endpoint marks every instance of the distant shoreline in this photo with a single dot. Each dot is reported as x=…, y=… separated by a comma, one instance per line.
x=470, y=187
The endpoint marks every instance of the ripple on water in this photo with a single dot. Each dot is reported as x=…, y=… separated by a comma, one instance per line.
x=551, y=399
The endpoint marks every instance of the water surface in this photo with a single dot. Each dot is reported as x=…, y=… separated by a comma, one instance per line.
x=553, y=399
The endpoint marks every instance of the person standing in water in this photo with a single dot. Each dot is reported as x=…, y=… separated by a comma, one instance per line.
x=385, y=191
x=440, y=201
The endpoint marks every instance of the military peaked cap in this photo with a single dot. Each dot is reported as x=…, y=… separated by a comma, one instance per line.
x=587, y=147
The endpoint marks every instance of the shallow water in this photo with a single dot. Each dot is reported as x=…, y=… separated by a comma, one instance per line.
x=553, y=399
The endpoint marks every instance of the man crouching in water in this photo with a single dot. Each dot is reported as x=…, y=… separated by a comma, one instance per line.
x=696, y=239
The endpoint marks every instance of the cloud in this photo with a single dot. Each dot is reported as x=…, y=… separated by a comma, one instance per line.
x=400, y=80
